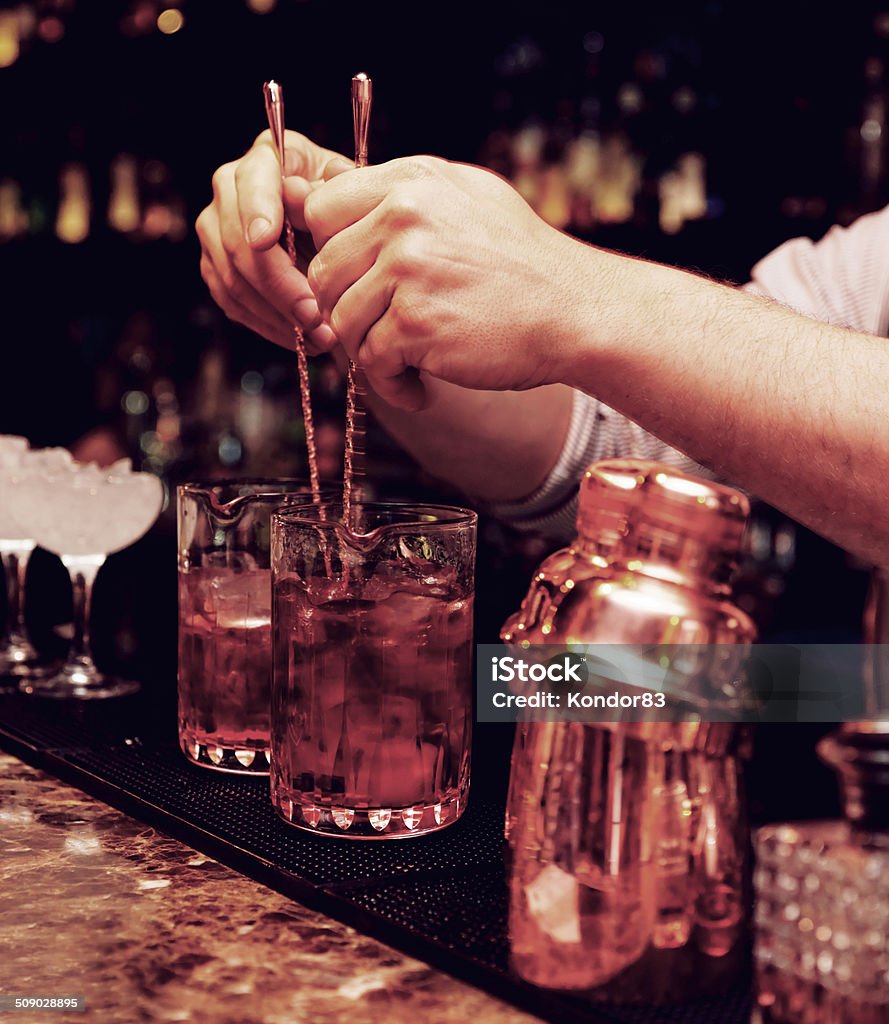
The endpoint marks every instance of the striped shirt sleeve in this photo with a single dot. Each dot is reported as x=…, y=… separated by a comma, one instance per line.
x=596, y=432
x=842, y=279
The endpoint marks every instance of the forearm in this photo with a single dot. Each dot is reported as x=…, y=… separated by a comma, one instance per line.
x=495, y=446
x=789, y=408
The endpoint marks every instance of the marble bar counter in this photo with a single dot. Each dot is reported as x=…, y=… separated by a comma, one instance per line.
x=96, y=904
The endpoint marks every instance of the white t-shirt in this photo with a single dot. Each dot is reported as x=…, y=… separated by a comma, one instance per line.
x=842, y=279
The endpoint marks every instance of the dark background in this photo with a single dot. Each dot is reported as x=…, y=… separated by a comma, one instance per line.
x=779, y=94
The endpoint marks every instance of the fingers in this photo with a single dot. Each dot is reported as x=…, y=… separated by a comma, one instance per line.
x=354, y=285
x=358, y=309
x=370, y=329
x=364, y=320
x=304, y=157
x=241, y=301
x=277, y=330
x=320, y=339
x=344, y=260
x=249, y=275
x=271, y=326
x=258, y=182
x=347, y=197
x=336, y=166
x=295, y=192
x=270, y=274
x=388, y=372
x=393, y=380
x=296, y=189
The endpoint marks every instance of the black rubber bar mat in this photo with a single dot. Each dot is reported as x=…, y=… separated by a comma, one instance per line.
x=441, y=898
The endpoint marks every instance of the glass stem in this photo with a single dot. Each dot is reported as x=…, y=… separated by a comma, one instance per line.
x=83, y=575
x=15, y=567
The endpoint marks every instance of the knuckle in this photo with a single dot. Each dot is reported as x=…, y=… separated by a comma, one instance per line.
x=249, y=171
x=221, y=297
x=228, y=279
x=427, y=166
x=399, y=266
x=402, y=208
x=406, y=318
x=405, y=256
x=312, y=347
x=222, y=178
x=240, y=173
x=202, y=222
x=417, y=167
x=293, y=140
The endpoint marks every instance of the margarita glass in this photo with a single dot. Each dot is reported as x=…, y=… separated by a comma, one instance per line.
x=18, y=659
x=83, y=514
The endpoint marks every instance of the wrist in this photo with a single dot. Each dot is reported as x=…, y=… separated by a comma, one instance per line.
x=588, y=310
x=614, y=312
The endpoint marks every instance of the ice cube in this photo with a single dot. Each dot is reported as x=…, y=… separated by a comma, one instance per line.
x=326, y=591
x=554, y=903
x=406, y=618
x=12, y=450
x=87, y=477
x=420, y=560
x=48, y=461
x=382, y=581
x=423, y=578
x=123, y=467
x=241, y=600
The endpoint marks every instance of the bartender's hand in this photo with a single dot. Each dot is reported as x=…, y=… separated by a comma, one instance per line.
x=249, y=275
x=426, y=265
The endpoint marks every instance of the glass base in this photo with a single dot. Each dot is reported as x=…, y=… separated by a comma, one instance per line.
x=372, y=823
x=232, y=760
x=77, y=683
x=19, y=660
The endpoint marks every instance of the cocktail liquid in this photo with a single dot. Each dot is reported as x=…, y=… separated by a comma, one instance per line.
x=373, y=714
x=225, y=667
